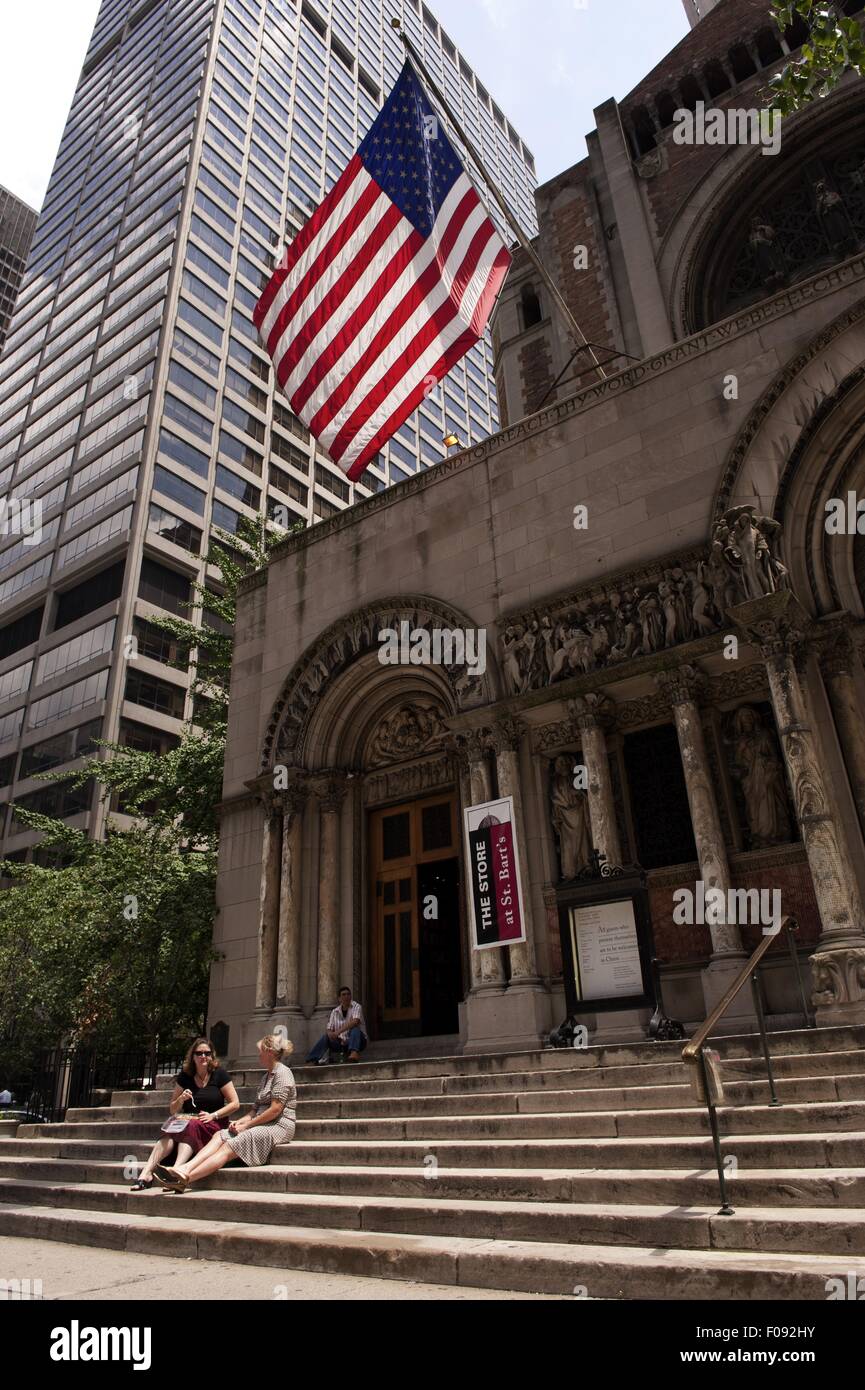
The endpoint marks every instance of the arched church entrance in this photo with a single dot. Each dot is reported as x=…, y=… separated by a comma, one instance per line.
x=367, y=747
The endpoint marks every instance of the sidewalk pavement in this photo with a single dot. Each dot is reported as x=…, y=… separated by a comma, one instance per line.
x=81, y=1272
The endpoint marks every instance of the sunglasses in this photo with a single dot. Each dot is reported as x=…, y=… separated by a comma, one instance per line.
x=203, y=1054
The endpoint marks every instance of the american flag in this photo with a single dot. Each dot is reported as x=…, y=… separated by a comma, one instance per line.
x=386, y=287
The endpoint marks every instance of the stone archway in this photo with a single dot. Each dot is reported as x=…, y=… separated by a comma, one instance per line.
x=803, y=443
x=354, y=641
x=708, y=262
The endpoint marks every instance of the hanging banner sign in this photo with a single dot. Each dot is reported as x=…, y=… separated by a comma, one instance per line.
x=494, y=875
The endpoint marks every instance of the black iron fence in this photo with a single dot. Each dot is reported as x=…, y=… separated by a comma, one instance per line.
x=62, y=1079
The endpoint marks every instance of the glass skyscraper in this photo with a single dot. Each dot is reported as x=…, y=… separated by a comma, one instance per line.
x=17, y=225
x=137, y=407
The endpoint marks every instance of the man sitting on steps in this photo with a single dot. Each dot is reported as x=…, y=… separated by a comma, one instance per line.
x=346, y=1031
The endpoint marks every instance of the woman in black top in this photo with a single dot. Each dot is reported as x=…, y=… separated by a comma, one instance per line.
x=204, y=1091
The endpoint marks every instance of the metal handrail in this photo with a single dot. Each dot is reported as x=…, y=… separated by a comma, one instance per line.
x=708, y=1086
x=689, y=1052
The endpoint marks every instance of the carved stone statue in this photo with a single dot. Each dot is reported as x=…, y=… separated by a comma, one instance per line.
x=743, y=543
x=770, y=265
x=570, y=817
x=758, y=766
x=511, y=659
x=833, y=217
x=649, y=609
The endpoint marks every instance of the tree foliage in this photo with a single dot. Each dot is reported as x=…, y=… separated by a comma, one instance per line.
x=834, y=45
x=113, y=947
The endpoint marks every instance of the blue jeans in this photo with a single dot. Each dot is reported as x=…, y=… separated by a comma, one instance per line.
x=351, y=1042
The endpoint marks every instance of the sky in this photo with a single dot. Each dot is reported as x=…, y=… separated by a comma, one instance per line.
x=548, y=64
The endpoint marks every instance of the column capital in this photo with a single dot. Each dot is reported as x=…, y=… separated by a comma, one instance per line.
x=591, y=711
x=779, y=640
x=293, y=798
x=280, y=789
x=472, y=745
x=329, y=788
x=506, y=734
x=681, y=684
x=838, y=655
x=269, y=799
x=776, y=623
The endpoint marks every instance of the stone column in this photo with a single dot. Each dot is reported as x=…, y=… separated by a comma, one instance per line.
x=778, y=624
x=293, y=801
x=268, y=905
x=681, y=685
x=488, y=970
x=462, y=768
x=330, y=790
x=838, y=662
x=589, y=713
x=505, y=740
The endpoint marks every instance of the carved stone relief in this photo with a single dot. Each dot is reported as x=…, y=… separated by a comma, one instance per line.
x=414, y=728
x=647, y=612
x=345, y=642
x=838, y=977
x=403, y=783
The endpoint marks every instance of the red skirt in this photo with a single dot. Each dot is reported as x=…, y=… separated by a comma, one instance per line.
x=199, y=1133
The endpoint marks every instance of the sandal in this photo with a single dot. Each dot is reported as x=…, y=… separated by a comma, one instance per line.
x=173, y=1182
x=142, y=1185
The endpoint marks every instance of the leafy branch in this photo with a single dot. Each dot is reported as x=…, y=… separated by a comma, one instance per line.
x=834, y=45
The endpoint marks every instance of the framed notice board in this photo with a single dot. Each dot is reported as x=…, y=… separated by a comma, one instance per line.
x=607, y=944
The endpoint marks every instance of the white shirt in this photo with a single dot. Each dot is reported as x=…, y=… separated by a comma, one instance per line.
x=338, y=1019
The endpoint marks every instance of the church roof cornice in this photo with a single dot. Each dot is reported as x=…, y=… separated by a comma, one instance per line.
x=698, y=344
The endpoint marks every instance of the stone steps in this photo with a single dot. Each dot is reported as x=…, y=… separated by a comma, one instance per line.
x=817, y=1116
x=736, y=1047
x=763, y=1150
x=797, y=1187
x=543, y=1171
x=582, y=1270
x=806, y=1089
x=575, y=1077
x=696, y=1228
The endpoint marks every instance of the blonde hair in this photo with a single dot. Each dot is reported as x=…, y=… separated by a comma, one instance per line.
x=277, y=1044
x=189, y=1060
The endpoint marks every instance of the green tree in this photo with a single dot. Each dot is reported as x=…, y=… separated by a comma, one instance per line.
x=113, y=948
x=834, y=45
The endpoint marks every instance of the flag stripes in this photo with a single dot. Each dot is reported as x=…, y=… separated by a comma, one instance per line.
x=385, y=288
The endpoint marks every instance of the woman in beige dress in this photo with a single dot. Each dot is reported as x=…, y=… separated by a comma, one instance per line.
x=251, y=1139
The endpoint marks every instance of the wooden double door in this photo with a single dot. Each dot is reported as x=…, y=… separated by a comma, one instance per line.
x=415, y=915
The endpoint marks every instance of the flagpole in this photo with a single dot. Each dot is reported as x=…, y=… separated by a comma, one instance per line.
x=571, y=323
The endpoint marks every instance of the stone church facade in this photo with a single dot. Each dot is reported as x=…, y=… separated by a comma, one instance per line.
x=648, y=559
